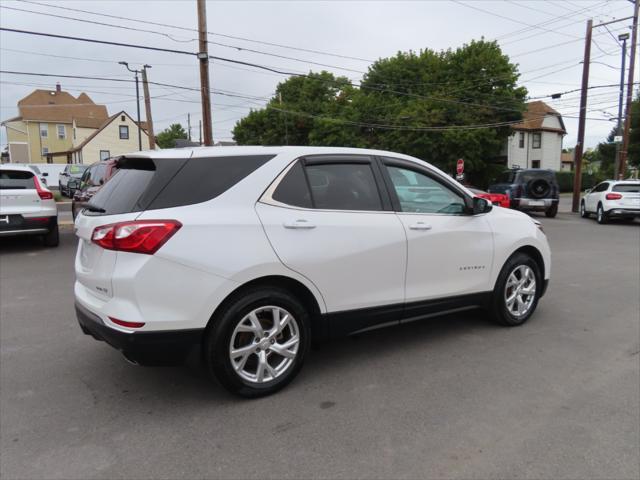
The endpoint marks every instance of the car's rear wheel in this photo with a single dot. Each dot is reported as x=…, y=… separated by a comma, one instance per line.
x=517, y=291
x=257, y=343
x=583, y=210
x=552, y=211
x=52, y=238
x=601, y=215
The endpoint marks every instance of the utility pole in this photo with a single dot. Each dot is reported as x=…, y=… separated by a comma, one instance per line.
x=189, y=126
x=200, y=131
x=147, y=108
x=624, y=37
x=137, y=102
x=577, y=179
x=203, y=56
x=627, y=121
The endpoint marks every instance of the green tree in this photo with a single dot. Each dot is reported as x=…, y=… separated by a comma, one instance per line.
x=167, y=138
x=410, y=103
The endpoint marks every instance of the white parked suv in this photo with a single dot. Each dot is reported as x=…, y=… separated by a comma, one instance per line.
x=612, y=199
x=250, y=253
x=26, y=206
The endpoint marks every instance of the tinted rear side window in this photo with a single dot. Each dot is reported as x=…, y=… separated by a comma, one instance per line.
x=293, y=189
x=629, y=188
x=528, y=175
x=146, y=184
x=344, y=187
x=204, y=178
x=16, y=179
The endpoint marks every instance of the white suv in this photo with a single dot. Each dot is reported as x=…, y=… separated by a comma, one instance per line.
x=612, y=199
x=26, y=206
x=252, y=252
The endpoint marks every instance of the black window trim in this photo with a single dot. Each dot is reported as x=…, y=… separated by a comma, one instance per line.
x=327, y=159
x=445, y=182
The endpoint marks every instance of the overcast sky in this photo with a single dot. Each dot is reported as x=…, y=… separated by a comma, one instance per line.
x=548, y=56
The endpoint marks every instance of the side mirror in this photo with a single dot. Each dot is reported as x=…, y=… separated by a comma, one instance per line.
x=481, y=205
x=45, y=174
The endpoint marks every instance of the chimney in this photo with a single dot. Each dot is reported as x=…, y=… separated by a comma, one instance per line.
x=58, y=87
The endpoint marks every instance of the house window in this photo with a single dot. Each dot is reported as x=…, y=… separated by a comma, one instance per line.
x=124, y=132
x=45, y=151
x=536, y=141
x=62, y=134
x=521, y=140
x=535, y=164
x=104, y=154
x=44, y=130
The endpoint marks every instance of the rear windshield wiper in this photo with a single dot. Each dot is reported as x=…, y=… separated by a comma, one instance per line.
x=94, y=208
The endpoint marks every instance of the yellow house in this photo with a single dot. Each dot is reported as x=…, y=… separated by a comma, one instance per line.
x=51, y=121
x=115, y=136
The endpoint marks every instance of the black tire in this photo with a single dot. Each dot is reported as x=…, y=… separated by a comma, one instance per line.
x=52, y=239
x=538, y=188
x=601, y=216
x=219, y=336
x=552, y=211
x=583, y=210
x=498, y=307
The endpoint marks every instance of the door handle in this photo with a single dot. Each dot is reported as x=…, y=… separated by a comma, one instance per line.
x=420, y=226
x=299, y=224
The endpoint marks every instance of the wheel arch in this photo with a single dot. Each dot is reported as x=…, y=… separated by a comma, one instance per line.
x=535, y=254
x=319, y=328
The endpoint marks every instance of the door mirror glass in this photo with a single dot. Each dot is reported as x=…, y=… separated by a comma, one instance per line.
x=481, y=205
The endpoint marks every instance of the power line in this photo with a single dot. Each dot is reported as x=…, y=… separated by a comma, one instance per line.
x=262, y=42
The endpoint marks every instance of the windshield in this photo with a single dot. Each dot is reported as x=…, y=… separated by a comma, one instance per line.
x=77, y=170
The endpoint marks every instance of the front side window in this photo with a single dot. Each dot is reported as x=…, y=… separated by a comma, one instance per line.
x=521, y=140
x=343, y=186
x=104, y=154
x=124, y=132
x=62, y=134
x=536, y=140
x=419, y=193
x=44, y=130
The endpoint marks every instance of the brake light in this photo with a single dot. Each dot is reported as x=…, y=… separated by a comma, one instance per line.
x=42, y=193
x=613, y=196
x=122, y=323
x=143, y=236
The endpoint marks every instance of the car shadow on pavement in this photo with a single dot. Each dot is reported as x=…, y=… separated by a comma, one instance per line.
x=190, y=383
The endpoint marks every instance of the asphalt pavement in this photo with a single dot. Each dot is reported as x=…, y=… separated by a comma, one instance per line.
x=450, y=397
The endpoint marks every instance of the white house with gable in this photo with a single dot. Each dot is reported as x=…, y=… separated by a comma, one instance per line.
x=536, y=142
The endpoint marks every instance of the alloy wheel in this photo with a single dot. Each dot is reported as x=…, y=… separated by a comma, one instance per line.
x=520, y=290
x=264, y=344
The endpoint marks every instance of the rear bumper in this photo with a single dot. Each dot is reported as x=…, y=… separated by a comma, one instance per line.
x=624, y=212
x=19, y=225
x=145, y=348
x=533, y=204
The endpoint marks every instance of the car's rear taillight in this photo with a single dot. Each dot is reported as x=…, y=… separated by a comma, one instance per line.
x=613, y=196
x=142, y=236
x=42, y=193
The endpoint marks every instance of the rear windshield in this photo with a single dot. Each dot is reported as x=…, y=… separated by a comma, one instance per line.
x=146, y=184
x=16, y=179
x=77, y=170
x=627, y=187
x=525, y=176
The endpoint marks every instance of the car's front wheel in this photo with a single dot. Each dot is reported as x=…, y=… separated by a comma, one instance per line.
x=257, y=343
x=601, y=215
x=583, y=210
x=517, y=291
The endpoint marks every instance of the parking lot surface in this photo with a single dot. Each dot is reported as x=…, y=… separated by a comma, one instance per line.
x=450, y=397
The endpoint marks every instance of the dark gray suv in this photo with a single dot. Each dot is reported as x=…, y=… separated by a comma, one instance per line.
x=531, y=189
